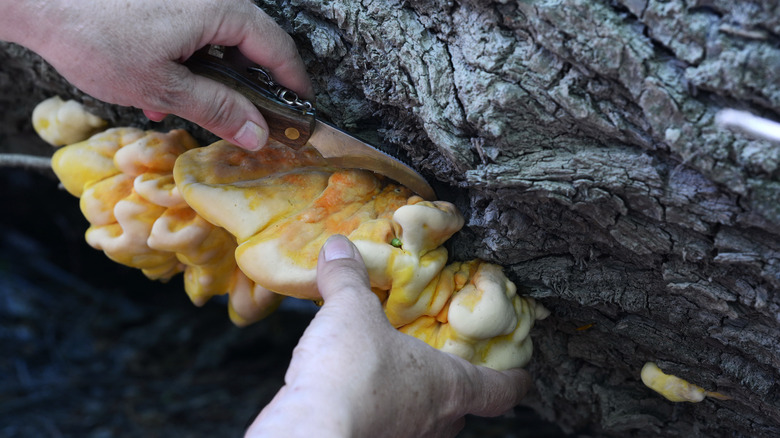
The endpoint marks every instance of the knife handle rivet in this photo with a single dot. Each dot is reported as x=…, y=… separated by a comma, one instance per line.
x=292, y=133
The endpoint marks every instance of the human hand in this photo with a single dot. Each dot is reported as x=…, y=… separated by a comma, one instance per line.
x=130, y=53
x=353, y=374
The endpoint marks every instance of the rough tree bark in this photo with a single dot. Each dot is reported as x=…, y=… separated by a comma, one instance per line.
x=578, y=138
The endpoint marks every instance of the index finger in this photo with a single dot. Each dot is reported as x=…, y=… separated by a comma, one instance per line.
x=261, y=40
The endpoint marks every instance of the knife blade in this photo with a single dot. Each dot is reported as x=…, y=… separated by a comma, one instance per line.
x=293, y=122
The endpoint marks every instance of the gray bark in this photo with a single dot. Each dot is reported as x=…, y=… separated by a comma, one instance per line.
x=578, y=138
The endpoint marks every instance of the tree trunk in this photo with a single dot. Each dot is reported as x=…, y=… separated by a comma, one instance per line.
x=579, y=139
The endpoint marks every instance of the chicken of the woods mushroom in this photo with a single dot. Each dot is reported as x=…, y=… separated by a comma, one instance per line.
x=59, y=122
x=674, y=388
x=251, y=224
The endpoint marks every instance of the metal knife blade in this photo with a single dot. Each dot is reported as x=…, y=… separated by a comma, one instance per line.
x=343, y=150
x=292, y=121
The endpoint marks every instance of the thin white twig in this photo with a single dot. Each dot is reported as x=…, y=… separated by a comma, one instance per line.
x=24, y=161
x=749, y=123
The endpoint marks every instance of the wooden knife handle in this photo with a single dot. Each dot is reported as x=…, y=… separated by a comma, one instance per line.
x=290, y=120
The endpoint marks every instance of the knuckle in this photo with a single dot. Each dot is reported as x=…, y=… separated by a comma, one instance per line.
x=288, y=43
x=288, y=47
x=216, y=112
x=162, y=91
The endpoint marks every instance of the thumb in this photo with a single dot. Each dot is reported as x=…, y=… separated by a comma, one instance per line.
x=220, y=110
x=341, y=274
x=496, y=392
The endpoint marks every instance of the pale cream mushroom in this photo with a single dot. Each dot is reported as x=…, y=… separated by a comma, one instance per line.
x=251, y=225
x=674, y=388
x=60, y=122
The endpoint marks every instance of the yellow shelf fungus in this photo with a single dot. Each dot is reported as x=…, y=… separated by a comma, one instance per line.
x=137, y=217
x=60, y=122
x=281, y=205
x=251, y=224
x=674, y=388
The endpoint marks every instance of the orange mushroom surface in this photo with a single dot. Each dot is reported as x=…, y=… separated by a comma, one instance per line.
x=251, y=224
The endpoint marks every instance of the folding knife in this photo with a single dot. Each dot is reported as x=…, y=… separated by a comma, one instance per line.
x=293, y=122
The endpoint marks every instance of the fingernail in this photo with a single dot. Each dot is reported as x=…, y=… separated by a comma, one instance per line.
x=338, y=247
x=155, y=116
x=251, y=136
